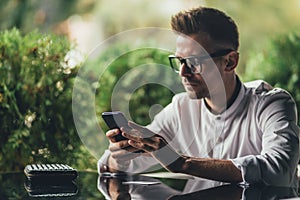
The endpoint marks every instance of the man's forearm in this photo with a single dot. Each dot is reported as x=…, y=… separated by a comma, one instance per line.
x=214, y=169
x=114, y=166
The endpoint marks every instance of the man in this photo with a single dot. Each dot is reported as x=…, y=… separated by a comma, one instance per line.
x=219, y=129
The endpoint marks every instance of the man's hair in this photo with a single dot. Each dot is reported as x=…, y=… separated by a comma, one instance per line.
x=219, y=26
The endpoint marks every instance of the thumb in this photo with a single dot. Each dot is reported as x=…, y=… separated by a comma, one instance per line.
x=145, y=133
x=135, y=126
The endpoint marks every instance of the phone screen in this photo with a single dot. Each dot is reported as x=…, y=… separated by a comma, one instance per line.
x=117, y=119
x=114, y=120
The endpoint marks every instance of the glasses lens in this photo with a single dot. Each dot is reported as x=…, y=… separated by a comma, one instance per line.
x=194, y=64
x=175, y=63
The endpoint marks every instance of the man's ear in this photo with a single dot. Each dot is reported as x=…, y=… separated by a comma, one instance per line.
x=232, y=62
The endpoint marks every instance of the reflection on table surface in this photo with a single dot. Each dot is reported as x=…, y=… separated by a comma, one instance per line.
x=89, y=185
x=144, y=187
x=13, y=186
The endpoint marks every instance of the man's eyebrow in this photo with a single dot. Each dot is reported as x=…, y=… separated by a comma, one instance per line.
x=192, y=56
x=198, y=54
x=176, y=54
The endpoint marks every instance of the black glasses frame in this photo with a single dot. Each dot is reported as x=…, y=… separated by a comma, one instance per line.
x=196, y=69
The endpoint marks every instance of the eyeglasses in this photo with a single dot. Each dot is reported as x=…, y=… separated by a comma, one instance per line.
x=194, y=63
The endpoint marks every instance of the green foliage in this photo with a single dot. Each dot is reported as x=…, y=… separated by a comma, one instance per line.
x=40, y=14
x=141, y=78
x=140, y=70
x=36, y=80
x=278, y=64
x=36, y=87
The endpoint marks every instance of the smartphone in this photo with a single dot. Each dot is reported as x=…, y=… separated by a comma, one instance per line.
x=115, y=120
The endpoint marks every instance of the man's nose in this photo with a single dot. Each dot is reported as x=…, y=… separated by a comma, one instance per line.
x=184, y=70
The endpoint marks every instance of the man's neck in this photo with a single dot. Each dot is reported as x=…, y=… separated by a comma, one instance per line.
x=231, y=94
x=235, y=92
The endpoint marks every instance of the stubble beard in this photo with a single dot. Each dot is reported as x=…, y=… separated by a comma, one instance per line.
x=198, y=93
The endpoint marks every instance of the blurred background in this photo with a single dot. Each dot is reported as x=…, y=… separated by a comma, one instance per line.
x=90, y=21
x=43, y=43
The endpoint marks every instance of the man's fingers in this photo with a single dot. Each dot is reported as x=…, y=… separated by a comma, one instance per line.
x=139, y=128
x=146, y=132
x=140, y=145
x=118, y=145
x=123, y=155
x=122, y=145
x=142, y=131
x=153, y=142
x=111, y=134
x=131, y=136
x=135, y=126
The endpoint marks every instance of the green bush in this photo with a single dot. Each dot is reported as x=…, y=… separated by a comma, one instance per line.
x=36, y=123
x=145, y=81
x=278, y=64
x=36, y=99
x=144, y=69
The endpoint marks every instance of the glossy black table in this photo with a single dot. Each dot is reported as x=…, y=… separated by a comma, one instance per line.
x=12, y=186
x=89, y=185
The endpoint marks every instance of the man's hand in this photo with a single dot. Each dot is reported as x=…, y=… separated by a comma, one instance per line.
x=142, y=138
x=121, y=152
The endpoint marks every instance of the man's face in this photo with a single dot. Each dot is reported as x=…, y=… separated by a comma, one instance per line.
x=198, y=85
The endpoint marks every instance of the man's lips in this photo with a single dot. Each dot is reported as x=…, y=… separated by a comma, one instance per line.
x=190, y=86
x=193, y=85
x=189, y=83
